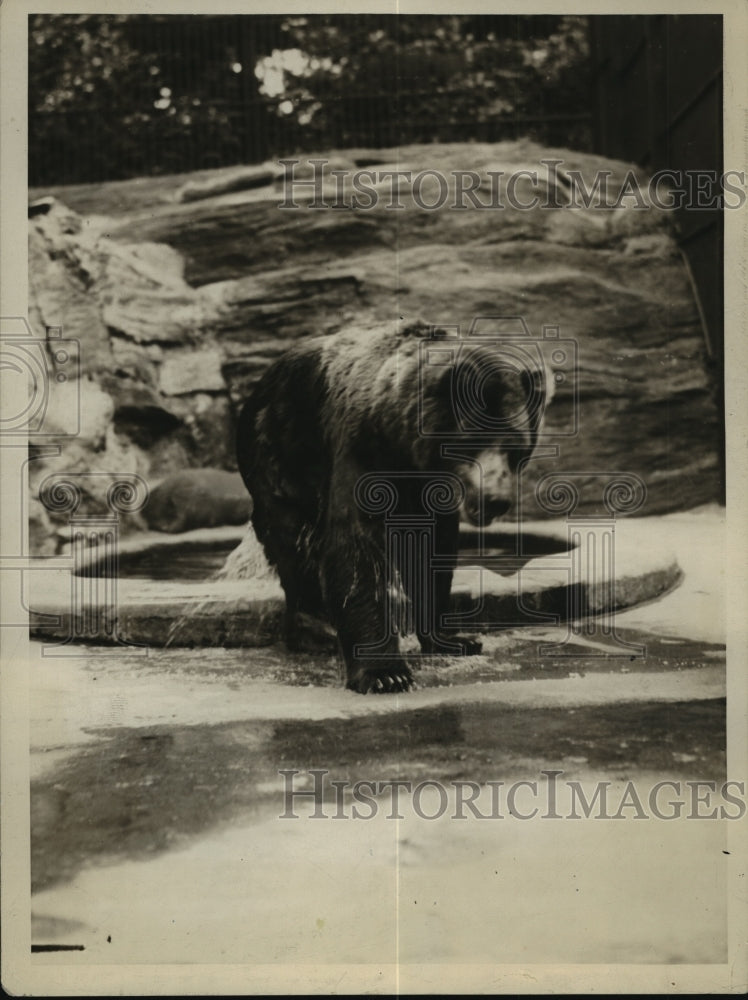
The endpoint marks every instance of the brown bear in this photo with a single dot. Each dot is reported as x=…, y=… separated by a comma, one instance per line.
x=361, y=450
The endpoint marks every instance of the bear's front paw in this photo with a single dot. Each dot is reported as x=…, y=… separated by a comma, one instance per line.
x=388, y=677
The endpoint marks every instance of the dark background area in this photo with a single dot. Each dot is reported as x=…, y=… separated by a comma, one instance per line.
x=118, y=96
x=115, y=96
x=656, y=84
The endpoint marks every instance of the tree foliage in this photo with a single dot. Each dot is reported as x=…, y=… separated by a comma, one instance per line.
x=430, y=78
x=115, y=96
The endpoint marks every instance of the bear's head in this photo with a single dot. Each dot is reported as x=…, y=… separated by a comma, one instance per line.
x=482, y=413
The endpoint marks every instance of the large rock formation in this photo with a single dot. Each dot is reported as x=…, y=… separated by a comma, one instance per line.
x=181, y=290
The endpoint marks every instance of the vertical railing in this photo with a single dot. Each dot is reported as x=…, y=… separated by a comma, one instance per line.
x=591, y=601
x=94, y=546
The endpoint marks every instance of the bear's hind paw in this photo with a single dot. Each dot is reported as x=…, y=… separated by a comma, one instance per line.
x=469, y=644
x=391, y=678
x=450, y=644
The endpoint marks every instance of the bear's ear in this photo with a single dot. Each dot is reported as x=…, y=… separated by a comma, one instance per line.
x=421, y=329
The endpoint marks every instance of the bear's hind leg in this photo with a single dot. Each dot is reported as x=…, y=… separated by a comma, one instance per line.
x=280, y=526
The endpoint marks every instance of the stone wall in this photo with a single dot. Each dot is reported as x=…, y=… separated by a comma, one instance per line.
x=181, y=290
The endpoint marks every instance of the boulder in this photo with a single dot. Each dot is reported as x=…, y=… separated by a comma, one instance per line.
x=197, y=498
x=79, y=407
x=187, y=371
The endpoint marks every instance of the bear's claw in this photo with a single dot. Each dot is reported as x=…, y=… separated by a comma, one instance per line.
x=381, y=680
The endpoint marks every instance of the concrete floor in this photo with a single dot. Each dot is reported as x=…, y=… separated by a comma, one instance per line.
x=156, y=799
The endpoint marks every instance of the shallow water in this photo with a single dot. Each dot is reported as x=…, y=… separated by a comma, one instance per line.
x=192, y=562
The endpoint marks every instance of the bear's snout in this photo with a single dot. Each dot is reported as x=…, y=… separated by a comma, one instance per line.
x=493, y=508
x=480, y=510
x=489, y=488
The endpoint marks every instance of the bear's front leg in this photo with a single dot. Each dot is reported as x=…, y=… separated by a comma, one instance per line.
x=357, y=601
x=431, y=604
x=429, y=590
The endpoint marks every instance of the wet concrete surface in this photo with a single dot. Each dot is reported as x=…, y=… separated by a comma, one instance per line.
x=132, y=792
x=157, y=797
